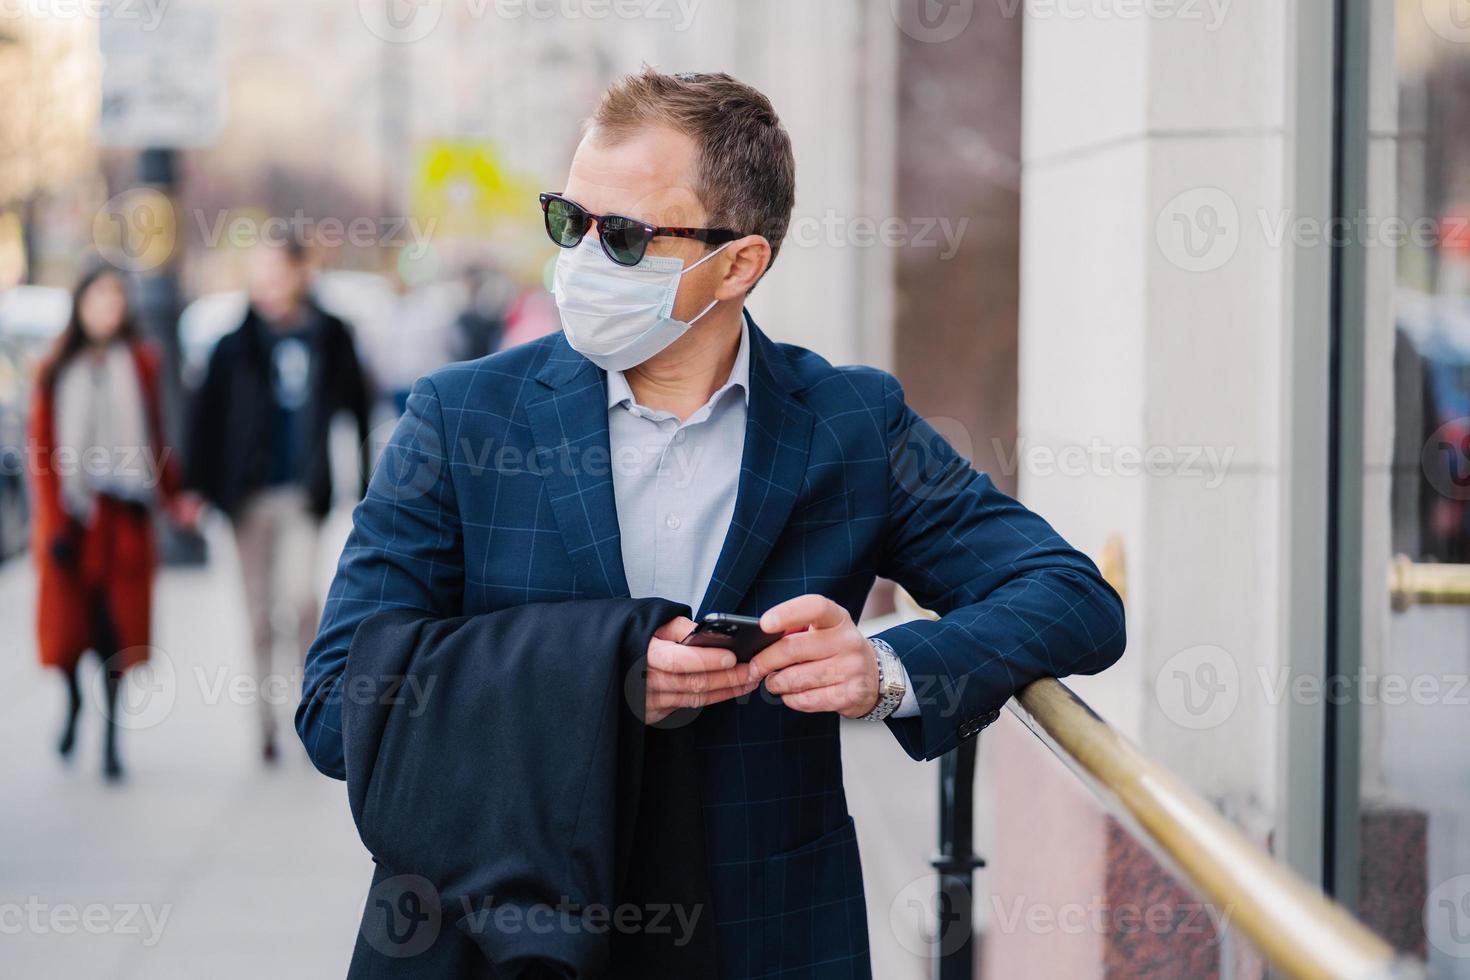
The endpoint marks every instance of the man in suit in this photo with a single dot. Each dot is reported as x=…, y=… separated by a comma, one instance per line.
x=663, y=445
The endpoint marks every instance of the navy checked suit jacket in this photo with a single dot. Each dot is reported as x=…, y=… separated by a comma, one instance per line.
x=496, y=490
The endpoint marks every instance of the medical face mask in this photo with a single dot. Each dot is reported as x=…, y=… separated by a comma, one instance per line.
x=619, y=316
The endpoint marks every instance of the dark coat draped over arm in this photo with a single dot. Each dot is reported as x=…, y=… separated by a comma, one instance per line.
x=524, y=820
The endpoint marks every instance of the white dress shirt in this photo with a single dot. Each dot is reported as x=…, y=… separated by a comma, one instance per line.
x=675, y=483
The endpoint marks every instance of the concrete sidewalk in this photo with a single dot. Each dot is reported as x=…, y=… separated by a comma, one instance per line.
x=204, y=862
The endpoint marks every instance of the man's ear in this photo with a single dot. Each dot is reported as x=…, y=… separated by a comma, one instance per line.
x=750, y=257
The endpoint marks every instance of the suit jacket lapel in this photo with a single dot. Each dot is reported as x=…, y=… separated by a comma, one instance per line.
x=778, y=434
x=568, y=423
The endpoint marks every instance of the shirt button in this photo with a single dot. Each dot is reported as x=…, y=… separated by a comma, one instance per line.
x=679, y=436
x=672, y=522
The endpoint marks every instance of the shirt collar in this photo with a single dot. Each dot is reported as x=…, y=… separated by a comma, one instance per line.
x=619, y=393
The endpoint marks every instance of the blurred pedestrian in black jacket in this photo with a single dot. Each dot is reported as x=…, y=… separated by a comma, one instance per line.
x=259, y=441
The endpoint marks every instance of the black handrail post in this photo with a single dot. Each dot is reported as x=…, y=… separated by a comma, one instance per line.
x=956, y=862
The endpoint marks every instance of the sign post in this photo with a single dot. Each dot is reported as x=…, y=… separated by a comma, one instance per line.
x=162, y=90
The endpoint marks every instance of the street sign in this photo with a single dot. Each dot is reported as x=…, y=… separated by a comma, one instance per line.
x=462, y=188
x=162, y=79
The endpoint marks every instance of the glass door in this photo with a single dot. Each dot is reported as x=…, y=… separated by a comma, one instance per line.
x=1414, y=687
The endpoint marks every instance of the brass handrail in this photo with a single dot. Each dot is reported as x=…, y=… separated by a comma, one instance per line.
x=1299, y=930
x=1427, y=584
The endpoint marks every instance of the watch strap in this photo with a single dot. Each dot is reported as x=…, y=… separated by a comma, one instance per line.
x=891, y=685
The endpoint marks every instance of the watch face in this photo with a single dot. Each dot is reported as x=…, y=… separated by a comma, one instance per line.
x=892, y=676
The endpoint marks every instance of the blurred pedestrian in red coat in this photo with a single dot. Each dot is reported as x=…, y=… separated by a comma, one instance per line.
x=99, y=468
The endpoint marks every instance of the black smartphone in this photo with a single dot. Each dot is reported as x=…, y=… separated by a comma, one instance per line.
x=742, y=634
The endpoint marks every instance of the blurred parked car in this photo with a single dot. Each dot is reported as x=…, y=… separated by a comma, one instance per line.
x=358, y=298
x=202, y=323
x=31, y=317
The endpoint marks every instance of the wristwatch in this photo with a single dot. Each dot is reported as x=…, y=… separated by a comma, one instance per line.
x=891, y=685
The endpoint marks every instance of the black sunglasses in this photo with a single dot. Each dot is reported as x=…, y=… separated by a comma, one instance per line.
x=624, y=239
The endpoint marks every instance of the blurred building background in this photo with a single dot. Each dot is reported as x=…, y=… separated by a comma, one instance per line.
x=1190, y=277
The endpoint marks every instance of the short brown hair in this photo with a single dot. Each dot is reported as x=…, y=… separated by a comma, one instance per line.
x=747, y=173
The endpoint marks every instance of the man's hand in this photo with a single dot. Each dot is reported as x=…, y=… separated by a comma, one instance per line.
x=690, y=677
x=827, y=666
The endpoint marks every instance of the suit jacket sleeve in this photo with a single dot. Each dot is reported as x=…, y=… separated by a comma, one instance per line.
x=405, y=552
x=1016, y=601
